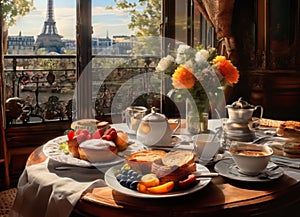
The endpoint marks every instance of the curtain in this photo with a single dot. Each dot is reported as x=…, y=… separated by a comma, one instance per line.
x=219, y=14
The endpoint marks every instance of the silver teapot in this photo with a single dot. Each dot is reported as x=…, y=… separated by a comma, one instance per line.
x=242, y=112
x=154, y=129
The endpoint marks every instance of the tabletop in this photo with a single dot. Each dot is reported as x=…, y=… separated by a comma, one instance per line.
x=221, y=197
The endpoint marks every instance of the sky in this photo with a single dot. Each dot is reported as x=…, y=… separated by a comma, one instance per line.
x=111, y=22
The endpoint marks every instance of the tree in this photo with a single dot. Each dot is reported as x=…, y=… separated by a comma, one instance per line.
x=9, y=10
x=145, y=22
x=145, y=16
x=12, y=8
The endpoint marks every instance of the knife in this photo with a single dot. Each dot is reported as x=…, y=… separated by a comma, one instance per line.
x=201, y=174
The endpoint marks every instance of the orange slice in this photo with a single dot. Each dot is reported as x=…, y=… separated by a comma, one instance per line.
x=141, y=188
x=160, y=189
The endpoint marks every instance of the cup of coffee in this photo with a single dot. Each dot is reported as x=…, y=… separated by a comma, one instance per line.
x=251, y=159
x=206, y=146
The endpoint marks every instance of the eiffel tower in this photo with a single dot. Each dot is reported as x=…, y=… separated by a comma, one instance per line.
x=49, y=39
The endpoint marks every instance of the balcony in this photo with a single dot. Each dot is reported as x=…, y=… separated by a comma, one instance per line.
x=40, y=88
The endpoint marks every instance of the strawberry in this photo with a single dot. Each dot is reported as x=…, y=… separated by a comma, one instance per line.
x=97, y=134
x=107, y=137
x=110, y=134
x=71, y=135
x=85, y=132
x=78, y=131
x=81, y=138
x=89, y=136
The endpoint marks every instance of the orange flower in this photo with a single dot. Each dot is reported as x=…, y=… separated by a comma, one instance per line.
x=183, y=77
x=227, y=69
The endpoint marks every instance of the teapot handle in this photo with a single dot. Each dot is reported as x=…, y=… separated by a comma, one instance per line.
x=255, y=123
x=261, y=110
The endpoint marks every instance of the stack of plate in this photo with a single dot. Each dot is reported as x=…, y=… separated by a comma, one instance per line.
x=238, y=132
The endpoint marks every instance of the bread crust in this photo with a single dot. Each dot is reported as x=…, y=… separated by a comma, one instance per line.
x=178, y=158
x=142, y=161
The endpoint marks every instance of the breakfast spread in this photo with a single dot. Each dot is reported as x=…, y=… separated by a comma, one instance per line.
x=101, y=144
x=158, y=172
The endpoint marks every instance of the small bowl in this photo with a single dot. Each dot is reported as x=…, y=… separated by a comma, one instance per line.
x=251, y=159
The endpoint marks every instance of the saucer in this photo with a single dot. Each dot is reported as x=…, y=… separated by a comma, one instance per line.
x=229, y=169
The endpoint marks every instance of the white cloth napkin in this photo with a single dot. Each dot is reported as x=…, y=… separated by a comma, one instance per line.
x=46, y=191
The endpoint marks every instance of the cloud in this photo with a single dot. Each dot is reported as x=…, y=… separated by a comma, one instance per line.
x=97, y=11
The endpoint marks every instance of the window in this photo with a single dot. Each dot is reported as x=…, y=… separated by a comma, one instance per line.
x=189, y=26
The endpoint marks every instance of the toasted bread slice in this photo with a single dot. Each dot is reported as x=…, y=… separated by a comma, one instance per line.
x=142, y=161
x=178, y=158
x=174, y=166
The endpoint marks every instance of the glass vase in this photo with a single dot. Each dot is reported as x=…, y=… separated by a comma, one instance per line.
x=196, y=115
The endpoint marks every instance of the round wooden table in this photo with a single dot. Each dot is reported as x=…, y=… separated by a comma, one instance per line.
x=221, y=197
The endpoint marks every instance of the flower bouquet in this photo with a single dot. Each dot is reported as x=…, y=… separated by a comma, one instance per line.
x=198, y=76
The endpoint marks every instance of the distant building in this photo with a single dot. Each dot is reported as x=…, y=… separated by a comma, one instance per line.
x=123, y=44
x=69, y=44
x=102, y=46
x=20, y=44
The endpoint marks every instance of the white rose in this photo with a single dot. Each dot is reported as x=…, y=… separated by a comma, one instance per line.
x=202, y=55
x=182, y=48
x=164, y=63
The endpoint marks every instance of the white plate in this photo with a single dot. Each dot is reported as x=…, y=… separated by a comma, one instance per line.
x=229, y=169
x=112, y=182
x=52, y=151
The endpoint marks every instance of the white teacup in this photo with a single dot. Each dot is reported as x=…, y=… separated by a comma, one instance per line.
x=204, y=146
x=251, y=159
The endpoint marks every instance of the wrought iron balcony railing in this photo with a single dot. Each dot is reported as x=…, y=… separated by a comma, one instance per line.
x=40, y=88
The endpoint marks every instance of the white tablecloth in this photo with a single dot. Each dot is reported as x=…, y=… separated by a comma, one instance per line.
x=45, y=191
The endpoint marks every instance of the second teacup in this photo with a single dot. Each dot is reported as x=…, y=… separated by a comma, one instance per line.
x=251, y=159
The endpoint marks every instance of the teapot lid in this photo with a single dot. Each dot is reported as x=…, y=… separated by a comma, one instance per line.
x=240, y=104
x=154, y=116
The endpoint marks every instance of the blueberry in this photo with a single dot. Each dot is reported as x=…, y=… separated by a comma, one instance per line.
x=122, y=182
x=133, y=185
x=119, y=177
x=130, y=172
x=132, y=178
x=128, y=183
x=139, y=177
x=135, y=174
x=124, y=172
